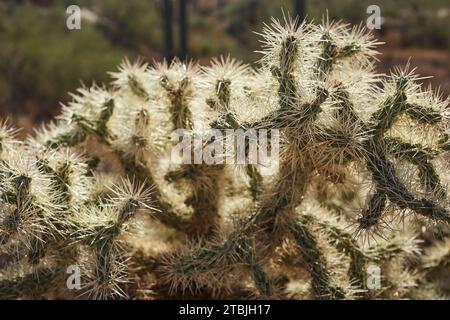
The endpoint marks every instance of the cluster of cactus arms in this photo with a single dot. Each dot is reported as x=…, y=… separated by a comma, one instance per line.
x=356, y=209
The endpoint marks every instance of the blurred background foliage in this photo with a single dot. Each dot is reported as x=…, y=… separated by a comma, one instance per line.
x=41, y=60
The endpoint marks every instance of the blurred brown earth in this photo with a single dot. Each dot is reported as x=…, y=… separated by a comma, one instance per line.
x=429, y=62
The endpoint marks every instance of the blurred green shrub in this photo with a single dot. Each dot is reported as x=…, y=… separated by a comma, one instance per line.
x=40, y=58
x=130, y=24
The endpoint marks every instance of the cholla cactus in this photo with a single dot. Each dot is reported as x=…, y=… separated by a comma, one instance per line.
x=361, y=183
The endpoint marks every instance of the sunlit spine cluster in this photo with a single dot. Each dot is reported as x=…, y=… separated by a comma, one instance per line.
x=361, y=181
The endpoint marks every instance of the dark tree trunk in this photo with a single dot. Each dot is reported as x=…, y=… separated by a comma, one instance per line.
x=300, y=9
x=183, y=30
x=168, y=31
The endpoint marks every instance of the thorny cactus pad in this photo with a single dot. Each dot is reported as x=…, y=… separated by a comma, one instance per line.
x=362, y=181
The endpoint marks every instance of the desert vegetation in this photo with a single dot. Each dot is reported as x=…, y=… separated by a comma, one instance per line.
x=361, y=181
